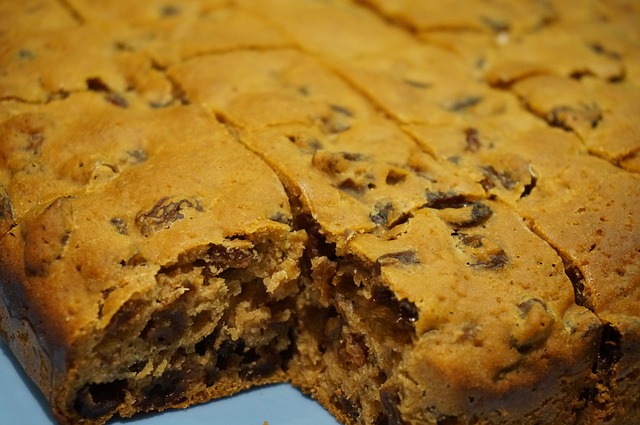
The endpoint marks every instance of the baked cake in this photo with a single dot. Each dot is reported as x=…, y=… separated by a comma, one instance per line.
x=416, y=212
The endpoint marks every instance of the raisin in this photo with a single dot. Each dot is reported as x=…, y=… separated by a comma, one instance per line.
x=257, y=369
x=395, y=177
x=137, y=367
x=120, y=225
x=309, y=144
x=163, y=214
x=601, y=50
x=228, y=258
x=417, y=84
x=25, y=54
x=496, y=25
x=610, y=351
x=566, y=117
x=96, y=400
x=346, y=405
x=442, y=200
x=46, y=237
x=229, y=353
x=492, y=176
x=473, y=140
x=404, y=257
x=497, y=260
x=473, y=241
x=7, y=219
x=403, y=310
x=533, y=326
x=280, y=217
x=356, y=349
x=581, y=292
x=96, y=84
x=169, y=10
x=342, y=110
x=125, y=315
x=117, y=100
x=462, y=104
x=380, y=213
x=168, y=388
x=474, y=215
x=390, y=400
x=528, y=188
x=166, y=326
x=137, y=156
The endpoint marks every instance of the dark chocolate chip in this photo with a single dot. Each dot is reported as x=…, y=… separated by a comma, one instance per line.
x=96, y=400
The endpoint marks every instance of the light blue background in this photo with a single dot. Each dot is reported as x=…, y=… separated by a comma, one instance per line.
x=22, y=404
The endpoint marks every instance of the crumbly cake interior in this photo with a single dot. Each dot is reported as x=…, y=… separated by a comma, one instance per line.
x=416, y=212
x=213, y=329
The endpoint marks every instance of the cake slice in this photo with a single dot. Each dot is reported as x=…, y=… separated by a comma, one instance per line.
x=146, y=264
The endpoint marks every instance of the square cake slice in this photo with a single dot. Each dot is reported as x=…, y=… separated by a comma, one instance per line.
x=147, y=263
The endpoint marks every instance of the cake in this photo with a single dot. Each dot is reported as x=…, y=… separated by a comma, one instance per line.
x=415, y=212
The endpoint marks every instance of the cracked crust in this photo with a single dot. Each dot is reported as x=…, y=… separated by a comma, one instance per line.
x=415, y=216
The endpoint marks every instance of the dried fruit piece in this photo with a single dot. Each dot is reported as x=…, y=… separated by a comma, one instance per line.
x=164, y=213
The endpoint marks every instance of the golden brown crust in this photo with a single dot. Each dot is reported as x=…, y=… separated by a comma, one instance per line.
x=417, y=212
